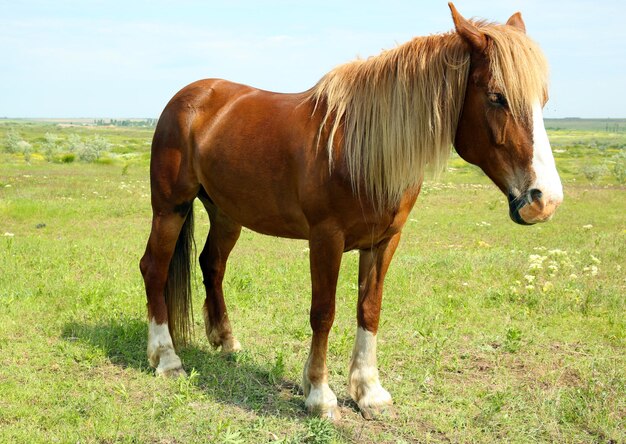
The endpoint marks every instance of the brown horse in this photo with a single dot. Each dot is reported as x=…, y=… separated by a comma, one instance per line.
x=340, y=165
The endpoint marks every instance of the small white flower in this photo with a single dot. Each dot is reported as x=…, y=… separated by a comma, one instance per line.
x=530, y=287
x=573, y=276
x=588, y=227
x=7, y=234
x=529, y=278
x=595, y=259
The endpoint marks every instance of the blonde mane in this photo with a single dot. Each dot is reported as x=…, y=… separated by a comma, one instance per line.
x=397, y=112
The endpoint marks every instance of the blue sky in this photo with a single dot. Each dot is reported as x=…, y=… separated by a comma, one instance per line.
x=71, y=58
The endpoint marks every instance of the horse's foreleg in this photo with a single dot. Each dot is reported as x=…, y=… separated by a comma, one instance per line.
x=154, y=267
x=326, y=249
x=222, y=237
x=364, y=385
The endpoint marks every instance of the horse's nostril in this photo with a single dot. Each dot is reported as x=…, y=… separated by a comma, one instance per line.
x=535, y=194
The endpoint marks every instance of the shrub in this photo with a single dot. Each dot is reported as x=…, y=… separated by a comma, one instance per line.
x=12, y=141
x=50, y=146
x=93, y=149
x=619, y=167
x=26, y=149
x=593, y=172
x=68, y=158
x=75, y=144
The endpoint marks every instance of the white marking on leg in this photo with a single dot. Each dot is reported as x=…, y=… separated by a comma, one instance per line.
x=547, y=178
x=320, y=399
x=364, y=384
x=161, y=352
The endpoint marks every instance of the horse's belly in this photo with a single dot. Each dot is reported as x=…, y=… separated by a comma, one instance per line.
x=265, y=209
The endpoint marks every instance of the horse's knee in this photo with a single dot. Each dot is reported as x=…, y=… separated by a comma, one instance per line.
x=143, y=265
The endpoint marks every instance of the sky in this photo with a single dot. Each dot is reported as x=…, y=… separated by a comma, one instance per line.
x=81, y=58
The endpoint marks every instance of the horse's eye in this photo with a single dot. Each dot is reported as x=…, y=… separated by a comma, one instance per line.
x=497, y=98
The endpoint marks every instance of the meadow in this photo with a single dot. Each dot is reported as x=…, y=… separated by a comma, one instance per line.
x=490, y=332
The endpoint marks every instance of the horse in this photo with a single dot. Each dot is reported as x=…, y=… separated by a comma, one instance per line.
x=340, y=165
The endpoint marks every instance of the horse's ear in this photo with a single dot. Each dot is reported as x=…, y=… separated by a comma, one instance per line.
x=516, y=21
x=468, y=31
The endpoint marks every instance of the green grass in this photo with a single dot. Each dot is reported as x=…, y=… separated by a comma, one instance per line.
x=477, y=342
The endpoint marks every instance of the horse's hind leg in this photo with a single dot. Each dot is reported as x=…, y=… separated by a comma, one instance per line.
x=221, y=239
x=165, y=265
x=166, y=227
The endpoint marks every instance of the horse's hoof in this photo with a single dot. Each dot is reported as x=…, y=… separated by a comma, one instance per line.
x=331, y=413
x=173, y=373
x=321, y=401
x=231, y=346
x=378, y=412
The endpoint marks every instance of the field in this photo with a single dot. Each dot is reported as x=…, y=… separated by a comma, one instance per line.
x=490, y=332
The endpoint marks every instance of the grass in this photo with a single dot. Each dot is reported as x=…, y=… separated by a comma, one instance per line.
x=490, y=332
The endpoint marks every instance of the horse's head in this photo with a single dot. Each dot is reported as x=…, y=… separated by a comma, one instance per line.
x=501, y=126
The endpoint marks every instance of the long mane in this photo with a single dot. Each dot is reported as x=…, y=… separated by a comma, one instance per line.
x=397, y=113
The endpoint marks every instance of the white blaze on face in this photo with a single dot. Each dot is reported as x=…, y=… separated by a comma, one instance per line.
x=547, y=178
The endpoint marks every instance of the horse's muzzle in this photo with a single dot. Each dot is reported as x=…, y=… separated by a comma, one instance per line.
x=531, y=207
x=515, y=204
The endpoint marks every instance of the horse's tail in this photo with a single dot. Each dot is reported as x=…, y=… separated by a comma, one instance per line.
x=178, y=287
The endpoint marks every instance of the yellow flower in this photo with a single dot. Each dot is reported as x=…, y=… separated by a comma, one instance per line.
x=547, y=287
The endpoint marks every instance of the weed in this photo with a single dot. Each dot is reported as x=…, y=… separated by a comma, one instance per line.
x=225, y=434
x=319, y=431
x=513, y=339
x=277, y=371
